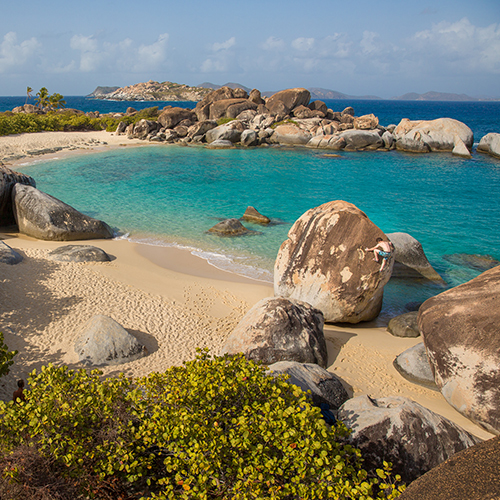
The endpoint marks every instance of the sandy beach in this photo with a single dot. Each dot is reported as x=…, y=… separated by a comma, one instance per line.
x=171, y=300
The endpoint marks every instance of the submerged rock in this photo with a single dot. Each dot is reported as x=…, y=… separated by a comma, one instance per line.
x=229, y=227
x=473, y=261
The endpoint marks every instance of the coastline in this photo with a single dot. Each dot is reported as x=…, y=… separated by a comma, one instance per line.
x=173, y=302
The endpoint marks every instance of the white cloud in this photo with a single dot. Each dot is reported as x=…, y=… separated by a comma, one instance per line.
x=367, y=43
x=124, y=55
x=303, y=44
x=17, y=55
x=217, y=47
x=273, y=43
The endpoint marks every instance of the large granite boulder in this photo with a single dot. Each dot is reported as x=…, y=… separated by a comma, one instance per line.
x=249, y=138
x=143, y=128
x=413, y=365
x=404, y=325
x=461, y=332
x=323, y=263
x=471, y=474
x=103, y=341
x=171, y=117
x=277, y=329
x=201, y=128
x=281, y=103
x=44, y=217
x=442, y=134
x=490, y=144
x=227, y=132
x=78, y=253
x=324, y=386
x=328, y=141
x=403, y=432
x=362, y=139
x=366, y=122
x=410, y=258
x=202, y=109
x=230, y=108
x=9, y=255
x=8, y=178
x=290, y=134
x=229, y=227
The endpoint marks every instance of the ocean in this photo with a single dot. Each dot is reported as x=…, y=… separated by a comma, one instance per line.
x=172, y=195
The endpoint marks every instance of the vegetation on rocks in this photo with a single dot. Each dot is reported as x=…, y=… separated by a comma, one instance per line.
x=5, y=357
x=214, y=428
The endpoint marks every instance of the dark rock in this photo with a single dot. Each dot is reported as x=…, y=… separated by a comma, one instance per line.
x=202, y=109
x=461, y=332
x=403, y=432
x=229, y=227
x=102, y=341
x=478, y=262
x=413, y=365
x=471, y=474
x=44, y=217
x=277, y=329
x=323, y=263
x=8, y=255
x=349, y=111
x=410, y=256
x=79, y=253
x=122, y=127
x=303, y=112
x=252, y=215
x=404, y=325
x=8, y=178
x=144, y=127
x=131, y=111
x=324, y=386
x=318, y=106
x=230, y=108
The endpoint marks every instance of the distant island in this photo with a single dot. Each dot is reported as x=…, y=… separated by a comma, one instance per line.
x=170, y=91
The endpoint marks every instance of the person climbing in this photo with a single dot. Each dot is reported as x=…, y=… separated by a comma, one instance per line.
x=18, y=394
x=382, y=249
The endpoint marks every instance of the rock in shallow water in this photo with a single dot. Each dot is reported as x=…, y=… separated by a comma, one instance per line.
x=229, y=227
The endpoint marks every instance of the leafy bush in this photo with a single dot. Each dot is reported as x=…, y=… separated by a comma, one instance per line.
x=223, y=121
x=215, y=428
x=284, y=122
x=5, y=357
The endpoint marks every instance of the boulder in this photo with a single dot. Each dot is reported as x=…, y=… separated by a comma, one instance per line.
x=349, y=111
x=324, y=386
x=388, y=139
x=230, y=131
x=404, y=325
x=8, y=178
x=323, y=262
x=334, y=142
x=230, y=108
x=121, y=129
x=461, y=332
x=247, y=116
x=42, y=216
x=366, y=122
x=143, y=128
x=362, y=139
x=8, y=255
x=318, y=106
x=403, y=432
x=201, y=128
x=202, y=109
x=253, y=215
x=131, y=111
x=256, y=97
x=304, y=112
x=471, y=474
x=490, y=144
x=290, y=135
x=78, y=253
x=220, y=144
x=460, y=149
x=277, y=329
x=171, y=117
x=442, y=134
x=249, y=138
x=286, y=100
x=410, y=258
x=229, y=227
x=103, y=341
x=413, y=365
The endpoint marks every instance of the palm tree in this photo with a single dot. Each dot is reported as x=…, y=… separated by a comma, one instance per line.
x=28, y=94
x=57, y=101
x=42, y=98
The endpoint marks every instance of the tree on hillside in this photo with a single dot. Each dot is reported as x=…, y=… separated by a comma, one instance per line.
x=57, y=101
x=42, y=98
x=28, y=94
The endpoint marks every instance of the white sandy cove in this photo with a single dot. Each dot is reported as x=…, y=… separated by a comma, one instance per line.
x=173, y=302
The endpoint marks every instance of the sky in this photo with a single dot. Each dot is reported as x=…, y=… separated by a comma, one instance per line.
x=358, y=47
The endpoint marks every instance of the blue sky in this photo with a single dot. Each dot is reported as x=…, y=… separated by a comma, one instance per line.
x=357, y=47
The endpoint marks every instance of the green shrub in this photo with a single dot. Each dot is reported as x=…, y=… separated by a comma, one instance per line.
x=284, y=122
x=223, y=121
x=214, y=428
x=5, y=357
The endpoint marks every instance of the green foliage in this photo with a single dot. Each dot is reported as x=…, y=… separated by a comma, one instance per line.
x=5, y=357
x=223, y=121
x=284, y=122
x=214, y=428
x=42, y=98
x=57, y=101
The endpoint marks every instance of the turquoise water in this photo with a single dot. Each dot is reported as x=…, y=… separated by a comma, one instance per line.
x=171, y=195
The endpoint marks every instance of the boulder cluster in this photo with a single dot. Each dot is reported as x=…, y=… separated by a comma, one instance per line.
x=227, y=116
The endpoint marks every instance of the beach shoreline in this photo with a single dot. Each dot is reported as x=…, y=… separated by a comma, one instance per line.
x=174, y=302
